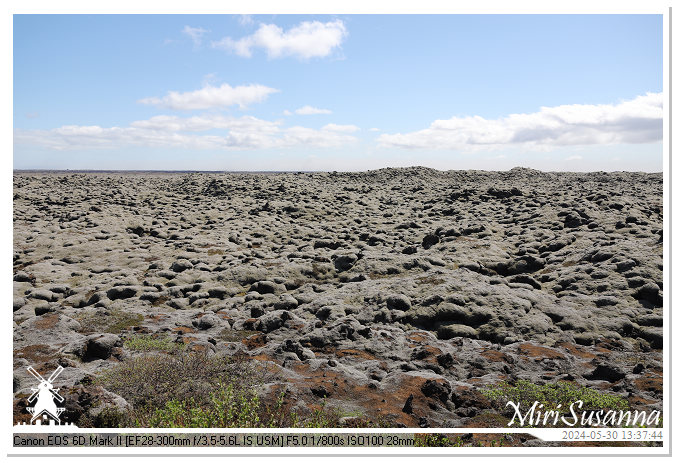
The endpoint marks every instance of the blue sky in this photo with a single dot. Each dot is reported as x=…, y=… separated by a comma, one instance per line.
x=343, y=92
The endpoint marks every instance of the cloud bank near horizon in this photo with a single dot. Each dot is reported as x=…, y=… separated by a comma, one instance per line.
x=242, y=133
x=635, y=121
x=632, y=121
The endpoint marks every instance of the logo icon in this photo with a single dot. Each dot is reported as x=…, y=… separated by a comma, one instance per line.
x=45, y=407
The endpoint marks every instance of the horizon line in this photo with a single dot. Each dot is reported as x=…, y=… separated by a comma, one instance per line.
x=293, y=171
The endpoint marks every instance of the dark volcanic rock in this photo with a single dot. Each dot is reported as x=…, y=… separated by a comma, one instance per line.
x=439, y=389
x=400, y=302
x=345, y=262
x=121, y=293
x=430, y=240
x=263, y=287
x=606, y=372
x=99, y=346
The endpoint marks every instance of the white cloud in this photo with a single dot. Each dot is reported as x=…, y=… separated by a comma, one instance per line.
x=195, y=33
x=633, y=121
x=309, y=39
x=287, y=113
x=227, y=133
x=308, y=110
x=340, y=128
x=374, y=129
x=574, y=158
x=212, y=97
x=205, y=123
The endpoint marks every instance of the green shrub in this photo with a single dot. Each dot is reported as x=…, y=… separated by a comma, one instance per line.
x=199, y=390
x=153, y=379
x=228, y=407
x=557, y=396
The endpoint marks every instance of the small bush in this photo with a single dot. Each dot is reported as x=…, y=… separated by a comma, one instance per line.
x=153, y=379
x=228, y=407
x=557, y=397
x=198, y=390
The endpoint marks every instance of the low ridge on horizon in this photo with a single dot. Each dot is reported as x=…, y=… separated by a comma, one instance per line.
x=296, y=171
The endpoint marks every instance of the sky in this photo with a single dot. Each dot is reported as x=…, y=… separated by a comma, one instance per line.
x=338, y=92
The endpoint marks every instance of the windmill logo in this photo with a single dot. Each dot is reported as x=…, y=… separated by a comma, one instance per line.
x=45, y=407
